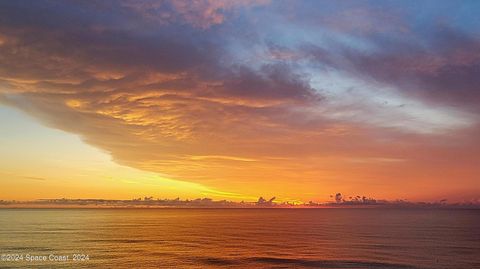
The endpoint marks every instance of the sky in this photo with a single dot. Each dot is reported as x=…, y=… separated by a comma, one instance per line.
x=240, y=99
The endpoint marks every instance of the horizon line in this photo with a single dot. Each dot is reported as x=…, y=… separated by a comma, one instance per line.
x=150, y=202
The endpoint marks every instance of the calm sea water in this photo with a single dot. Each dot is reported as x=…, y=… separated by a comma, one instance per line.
x=242, y=238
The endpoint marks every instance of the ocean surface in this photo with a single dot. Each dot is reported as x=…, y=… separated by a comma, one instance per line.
x=240, y=238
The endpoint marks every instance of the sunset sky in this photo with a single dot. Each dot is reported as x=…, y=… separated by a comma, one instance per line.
x=240, y=99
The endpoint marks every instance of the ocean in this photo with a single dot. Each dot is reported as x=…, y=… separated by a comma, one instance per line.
x=240, y=238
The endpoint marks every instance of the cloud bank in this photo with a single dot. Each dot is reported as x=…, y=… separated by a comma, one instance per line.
x=292, y=95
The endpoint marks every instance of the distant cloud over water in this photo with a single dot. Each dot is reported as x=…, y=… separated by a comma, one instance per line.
x=298, y=98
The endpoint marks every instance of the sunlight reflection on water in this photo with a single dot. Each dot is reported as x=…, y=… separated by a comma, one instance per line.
x=244, y=238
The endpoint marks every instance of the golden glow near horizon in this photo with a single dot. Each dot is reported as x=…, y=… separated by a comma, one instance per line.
x=53, y=164
x=46, y=163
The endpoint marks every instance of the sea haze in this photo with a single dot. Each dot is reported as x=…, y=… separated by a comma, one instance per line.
x=243, y=238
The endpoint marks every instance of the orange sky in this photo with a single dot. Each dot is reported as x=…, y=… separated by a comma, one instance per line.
x=236, y=101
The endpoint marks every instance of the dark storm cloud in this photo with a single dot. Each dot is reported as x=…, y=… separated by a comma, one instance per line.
x=115, y=85
x=70, y=49
x=271, y=82
x=73, y=42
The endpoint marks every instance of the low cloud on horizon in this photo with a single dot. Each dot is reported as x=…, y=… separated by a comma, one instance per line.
x=290, y=97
